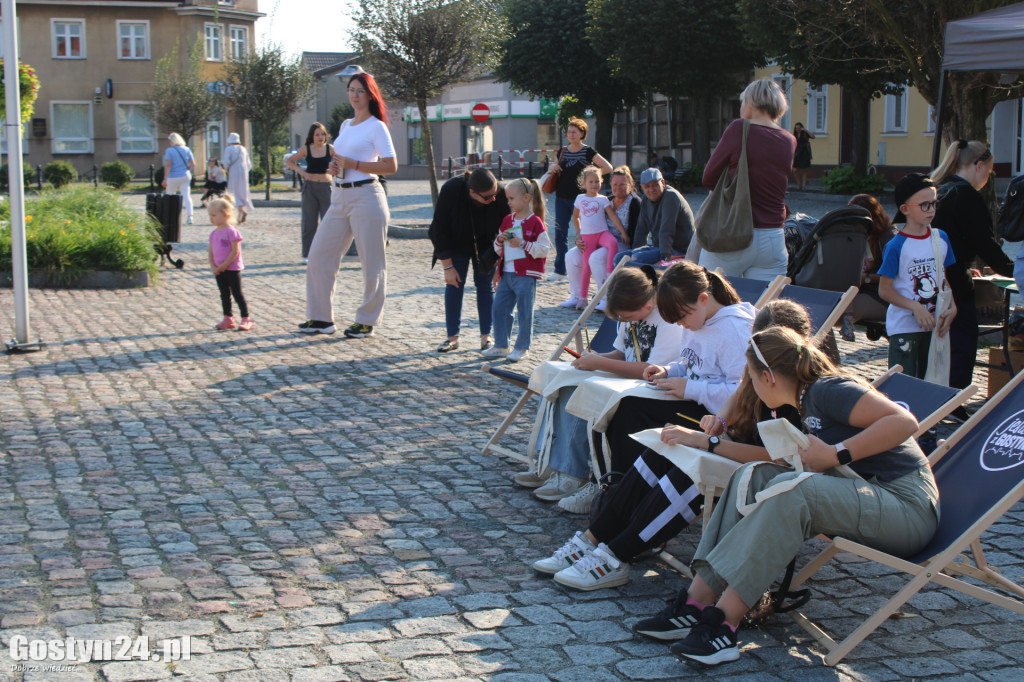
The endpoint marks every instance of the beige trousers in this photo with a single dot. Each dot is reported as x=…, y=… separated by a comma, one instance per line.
x=359, y=213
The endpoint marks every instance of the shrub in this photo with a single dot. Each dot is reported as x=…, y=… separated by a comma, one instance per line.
x=72, y=231
x=117, y=174
x=691, y=176
x=27, y=171
x=256, y=176
x=59, y=173
x=845, y=180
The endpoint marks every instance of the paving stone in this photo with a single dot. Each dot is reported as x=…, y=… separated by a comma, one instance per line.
x=253, y=622
x=132, y=671
x=211, y=664
x=292, y=657
x=492, y=618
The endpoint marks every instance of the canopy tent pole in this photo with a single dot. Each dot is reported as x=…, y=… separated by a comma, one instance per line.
x=940, y=116
x=16, y=182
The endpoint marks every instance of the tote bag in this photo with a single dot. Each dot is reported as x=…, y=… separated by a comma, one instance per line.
x=940, y=350
x=727, y=223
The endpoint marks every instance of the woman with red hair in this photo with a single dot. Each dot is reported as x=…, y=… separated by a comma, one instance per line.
x=359, y=211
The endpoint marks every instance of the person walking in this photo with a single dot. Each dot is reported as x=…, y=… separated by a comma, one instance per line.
x=466, y=220
x=178, y=166
x=359, y=211
x=237, y=164
x=316, y=181
x=770, y=151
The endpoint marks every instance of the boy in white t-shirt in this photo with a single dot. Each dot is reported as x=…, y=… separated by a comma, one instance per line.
x=910, y=279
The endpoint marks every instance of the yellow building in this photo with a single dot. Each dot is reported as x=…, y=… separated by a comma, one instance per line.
x=95, y=60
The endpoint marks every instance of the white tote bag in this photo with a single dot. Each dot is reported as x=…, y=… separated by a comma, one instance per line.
x=939, y=351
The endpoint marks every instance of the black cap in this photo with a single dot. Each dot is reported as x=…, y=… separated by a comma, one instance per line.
x=908, y=186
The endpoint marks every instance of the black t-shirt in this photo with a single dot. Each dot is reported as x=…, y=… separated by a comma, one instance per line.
x=827, y=405
x=572, y=164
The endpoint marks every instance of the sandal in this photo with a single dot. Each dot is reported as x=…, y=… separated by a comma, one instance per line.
x=448, y=345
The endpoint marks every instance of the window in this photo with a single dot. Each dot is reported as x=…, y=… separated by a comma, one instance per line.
x=896, y=112
x=72, y=127
x=214, y=49
x=817, y=109
x=214, y=140
x=929, y=125
x=133, y=40
x=239, y=36
x=786, y=83
x=135, y=132
x=68, y=38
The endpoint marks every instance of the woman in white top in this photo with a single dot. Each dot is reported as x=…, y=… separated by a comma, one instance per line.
x=359, y=210
x=237, y=164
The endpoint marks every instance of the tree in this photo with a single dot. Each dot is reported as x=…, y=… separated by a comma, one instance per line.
x=809, y=41
x=419, y=48
x=682, y=55
x=181, y=101
x=341, y=112
x=265, y=87
x=549, y=55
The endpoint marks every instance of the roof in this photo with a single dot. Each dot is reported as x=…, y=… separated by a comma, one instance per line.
x=990, y=41
x=315, y=61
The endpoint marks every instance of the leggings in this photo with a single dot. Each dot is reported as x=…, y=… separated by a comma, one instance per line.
x=591, y=243
x=230, y=284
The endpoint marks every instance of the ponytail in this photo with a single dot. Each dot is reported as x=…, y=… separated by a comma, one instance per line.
x=721, y=289
x=788, y=354
x=539, y=206
x=630, y=290
x=683, y=282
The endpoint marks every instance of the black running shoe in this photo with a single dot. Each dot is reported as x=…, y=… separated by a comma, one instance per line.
x=711, y=641
x=358, y=331
x=672, y=622
x=317, y=327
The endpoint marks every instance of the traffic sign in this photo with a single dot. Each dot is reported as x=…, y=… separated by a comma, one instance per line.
x=480, y=112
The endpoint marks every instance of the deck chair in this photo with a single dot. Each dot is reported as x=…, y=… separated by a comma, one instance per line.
x=980, y=474
x=929, y=403
x=757, y=291
x=575, y=337
x=824, y=307
x=832, y=256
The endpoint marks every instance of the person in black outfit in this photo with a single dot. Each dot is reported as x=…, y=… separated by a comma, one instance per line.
x=965, y=218
x=469, y=212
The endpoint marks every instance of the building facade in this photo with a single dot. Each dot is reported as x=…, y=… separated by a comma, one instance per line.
x=96, y=61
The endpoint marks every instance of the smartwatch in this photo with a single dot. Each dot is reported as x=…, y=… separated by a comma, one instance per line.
x=842, y=454
x=713, y=442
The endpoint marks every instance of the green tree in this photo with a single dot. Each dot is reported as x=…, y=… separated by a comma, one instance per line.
x=266, y=87
x=181, y=101
x=809, y=41
x=339, y=114
x=549, y=55
x=420, y=48
x=682, y=52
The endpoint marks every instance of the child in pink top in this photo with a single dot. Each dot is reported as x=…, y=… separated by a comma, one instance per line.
x=589, y=214
x=225, y=255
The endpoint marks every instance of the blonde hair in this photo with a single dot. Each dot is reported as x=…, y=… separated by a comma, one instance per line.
x=225, y=203
x=532, y=189
x=589, y=170
x=625, y=171
x=176, y=140
x=958, y=155
x=766, y=95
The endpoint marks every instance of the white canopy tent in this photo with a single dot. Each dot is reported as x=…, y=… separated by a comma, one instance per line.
x=990, y=41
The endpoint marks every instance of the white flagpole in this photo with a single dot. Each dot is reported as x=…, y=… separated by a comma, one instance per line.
x=16, y=183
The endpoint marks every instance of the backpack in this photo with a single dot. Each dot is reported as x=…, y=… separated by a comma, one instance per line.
x=1010, y=225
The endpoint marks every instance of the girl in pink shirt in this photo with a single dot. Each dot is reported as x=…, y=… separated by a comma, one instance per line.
x=225, y=255
x=589, y=212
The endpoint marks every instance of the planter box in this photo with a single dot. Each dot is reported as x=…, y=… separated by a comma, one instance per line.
x=94, y=279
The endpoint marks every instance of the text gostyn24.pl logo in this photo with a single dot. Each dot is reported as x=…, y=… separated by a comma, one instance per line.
x=1004, y=449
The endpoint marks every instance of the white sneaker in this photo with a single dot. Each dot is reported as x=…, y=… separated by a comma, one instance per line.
x=554, y=277
x=598, y=569
x=570, y=302
x=558, y=486
x=581, y=303
x=531, y=478
x=517, y=355
x=600, y=306
x=579, y=502
x=494, y=352
x=189, y=221
x=305, y=261
x=565, y=556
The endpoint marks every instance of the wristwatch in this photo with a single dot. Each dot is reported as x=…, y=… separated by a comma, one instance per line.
x=842, y=454
x=713, y=442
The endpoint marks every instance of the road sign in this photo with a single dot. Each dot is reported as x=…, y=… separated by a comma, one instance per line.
x=481, y=112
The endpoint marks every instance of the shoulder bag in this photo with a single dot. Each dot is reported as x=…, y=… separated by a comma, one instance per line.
x=549, y=181
x=726, y=221
x=940, y=350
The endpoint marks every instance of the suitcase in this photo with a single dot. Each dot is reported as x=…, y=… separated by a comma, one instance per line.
x=166, y=210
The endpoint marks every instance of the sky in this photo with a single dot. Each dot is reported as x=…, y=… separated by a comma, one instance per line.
x=307, y=25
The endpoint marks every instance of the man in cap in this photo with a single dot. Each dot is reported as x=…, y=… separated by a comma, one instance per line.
x=665, y=216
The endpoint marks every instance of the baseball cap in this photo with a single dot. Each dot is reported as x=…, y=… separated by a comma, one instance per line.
x=650, y=175
x=909, y=185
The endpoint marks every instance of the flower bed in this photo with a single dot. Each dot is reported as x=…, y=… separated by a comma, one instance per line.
x=73, y=232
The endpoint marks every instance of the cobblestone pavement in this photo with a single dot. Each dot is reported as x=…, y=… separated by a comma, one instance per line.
x=318, y=508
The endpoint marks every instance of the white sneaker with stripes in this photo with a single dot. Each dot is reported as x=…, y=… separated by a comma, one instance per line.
x=565, y=556
x=598, y=569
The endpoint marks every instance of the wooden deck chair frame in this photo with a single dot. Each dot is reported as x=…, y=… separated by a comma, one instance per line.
x=943, y=569
x=574, y=336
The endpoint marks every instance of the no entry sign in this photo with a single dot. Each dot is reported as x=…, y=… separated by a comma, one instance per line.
x=481, y=112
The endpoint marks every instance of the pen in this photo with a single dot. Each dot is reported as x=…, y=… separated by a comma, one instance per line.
x=695, y=421
x=586, y=335
x=571, y=352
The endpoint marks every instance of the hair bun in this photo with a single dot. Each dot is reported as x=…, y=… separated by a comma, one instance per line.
x=961, y=144
x=651, y=273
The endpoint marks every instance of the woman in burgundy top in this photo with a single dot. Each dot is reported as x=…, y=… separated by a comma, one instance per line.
x=769, y=163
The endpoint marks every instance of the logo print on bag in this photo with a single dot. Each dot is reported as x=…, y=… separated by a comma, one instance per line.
x=1004, y=449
